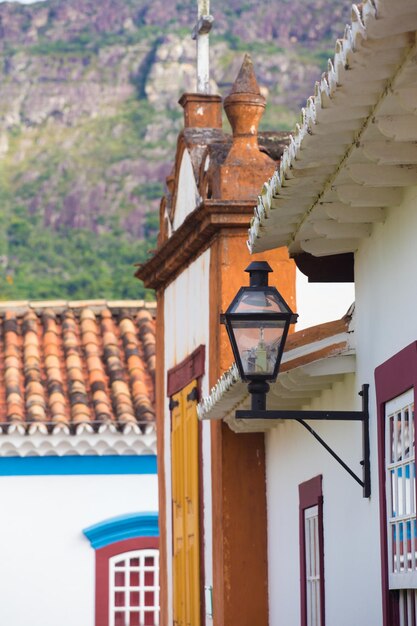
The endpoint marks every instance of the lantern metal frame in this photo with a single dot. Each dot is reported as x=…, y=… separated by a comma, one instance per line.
x=258, y=283
x=229, y=318
x=258, y=383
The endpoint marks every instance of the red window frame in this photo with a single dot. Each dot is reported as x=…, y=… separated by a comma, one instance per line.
x=103, y=555
x=392, y=378
x=311, y=494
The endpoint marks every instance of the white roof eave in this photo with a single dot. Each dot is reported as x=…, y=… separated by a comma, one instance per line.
x=104, y=443
x=355, y=147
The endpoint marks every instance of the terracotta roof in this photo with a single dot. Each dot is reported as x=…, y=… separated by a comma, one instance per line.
x=354, y=150
x=76, y=366
x=314, y=359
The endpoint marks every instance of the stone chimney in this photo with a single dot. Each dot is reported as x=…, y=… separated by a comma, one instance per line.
x=201, y=110
x=246, y=168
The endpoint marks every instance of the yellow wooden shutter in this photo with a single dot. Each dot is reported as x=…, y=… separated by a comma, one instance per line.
x=185, y=503
x=178, y=509
x=191, y=505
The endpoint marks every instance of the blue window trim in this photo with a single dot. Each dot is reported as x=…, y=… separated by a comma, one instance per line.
x=77, y=465
x=122, y=527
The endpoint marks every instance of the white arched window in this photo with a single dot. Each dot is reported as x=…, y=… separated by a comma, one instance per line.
x=134, y=588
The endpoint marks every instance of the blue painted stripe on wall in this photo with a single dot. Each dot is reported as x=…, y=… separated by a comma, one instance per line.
x=122, y=527
x=77, y=465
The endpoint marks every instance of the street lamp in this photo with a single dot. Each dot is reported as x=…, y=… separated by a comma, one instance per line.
x=257, y=322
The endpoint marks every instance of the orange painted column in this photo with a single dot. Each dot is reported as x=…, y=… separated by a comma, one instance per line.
x=240, y=567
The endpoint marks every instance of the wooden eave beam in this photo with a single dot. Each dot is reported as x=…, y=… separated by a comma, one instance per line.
x=192, y=238
x=328, y=269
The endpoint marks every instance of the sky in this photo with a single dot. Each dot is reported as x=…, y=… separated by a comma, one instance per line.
x=321, y=302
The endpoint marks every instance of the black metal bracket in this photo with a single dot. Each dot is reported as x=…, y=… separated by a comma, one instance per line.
x=348, y=416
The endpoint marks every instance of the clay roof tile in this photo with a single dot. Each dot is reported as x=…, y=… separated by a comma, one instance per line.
x=76, y=364
x=87, y=314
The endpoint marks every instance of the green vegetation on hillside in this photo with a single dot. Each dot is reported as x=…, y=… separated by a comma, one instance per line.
x=44, y=264
x=89, y=122
x=38, y=261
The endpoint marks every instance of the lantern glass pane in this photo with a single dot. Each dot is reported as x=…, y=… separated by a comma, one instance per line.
x=253, y=300
x=258, y=344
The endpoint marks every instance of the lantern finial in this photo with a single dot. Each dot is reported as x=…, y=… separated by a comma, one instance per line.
x=258, y=272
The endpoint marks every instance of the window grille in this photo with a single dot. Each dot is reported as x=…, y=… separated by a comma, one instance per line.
x=134, y=588
x=408, y=607
x=401, y=488
x=401, y=504
x=311, y=529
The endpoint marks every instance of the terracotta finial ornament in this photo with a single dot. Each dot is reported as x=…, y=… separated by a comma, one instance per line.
x=246, y=80
x=245, y=105
x=245, y=168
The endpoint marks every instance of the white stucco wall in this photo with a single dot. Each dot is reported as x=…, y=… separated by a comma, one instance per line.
x=188, y=196
x=47, y=574
x=186, y=314
x=293, y=456
x=385, y=322
x=386, y=297
x=186, y=311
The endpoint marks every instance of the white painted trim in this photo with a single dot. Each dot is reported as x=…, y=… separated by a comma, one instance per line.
x=86, y=444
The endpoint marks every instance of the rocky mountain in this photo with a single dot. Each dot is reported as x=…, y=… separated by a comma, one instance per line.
x=89, y=119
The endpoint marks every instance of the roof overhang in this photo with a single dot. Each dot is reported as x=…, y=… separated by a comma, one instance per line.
x=356, y=146
x=314, y=359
